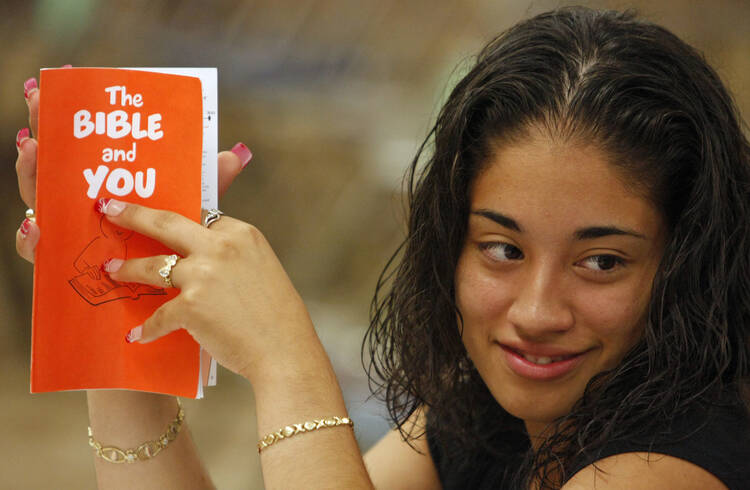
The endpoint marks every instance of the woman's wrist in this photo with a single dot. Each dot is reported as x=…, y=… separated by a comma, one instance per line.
x=143, y=415
x=299, y=351
x=295, y=393
x=302, y=377
x=127, y=419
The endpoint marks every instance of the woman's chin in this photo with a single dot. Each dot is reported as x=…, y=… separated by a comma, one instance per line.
x=537, y=410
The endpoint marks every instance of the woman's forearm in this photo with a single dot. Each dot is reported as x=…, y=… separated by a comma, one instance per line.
x=302, y=390
x=126, y=419
x=237, y=301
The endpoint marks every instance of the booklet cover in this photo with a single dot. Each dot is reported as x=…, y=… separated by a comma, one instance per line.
x=132, y=135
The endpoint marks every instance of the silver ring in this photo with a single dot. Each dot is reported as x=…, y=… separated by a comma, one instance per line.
x=212, y=215
x=30, y=215
x=166, y=271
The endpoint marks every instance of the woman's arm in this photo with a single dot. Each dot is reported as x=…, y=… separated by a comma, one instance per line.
x=127, y=419
x=327, y=458
x=297, y=392
x=642, y=470
x=237, y=301
x=393, y=464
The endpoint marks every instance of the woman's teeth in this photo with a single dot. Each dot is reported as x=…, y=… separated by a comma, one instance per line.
x=544, y=359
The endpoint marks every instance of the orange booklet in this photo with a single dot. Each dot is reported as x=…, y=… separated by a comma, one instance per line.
x=133, y=135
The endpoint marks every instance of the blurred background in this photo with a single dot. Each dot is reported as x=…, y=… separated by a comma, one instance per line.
x=333, y=97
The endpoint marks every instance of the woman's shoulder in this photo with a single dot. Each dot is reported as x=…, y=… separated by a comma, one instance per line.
x=705, y=447
x=643, y=470
x=396, y=463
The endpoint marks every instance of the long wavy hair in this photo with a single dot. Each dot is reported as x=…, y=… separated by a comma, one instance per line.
x=652, y=103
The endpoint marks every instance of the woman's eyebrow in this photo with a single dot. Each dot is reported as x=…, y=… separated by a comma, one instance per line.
x=600, y=231
x=498, y=218
x=587, y=233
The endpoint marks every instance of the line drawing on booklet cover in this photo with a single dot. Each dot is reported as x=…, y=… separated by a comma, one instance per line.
x=93, y=284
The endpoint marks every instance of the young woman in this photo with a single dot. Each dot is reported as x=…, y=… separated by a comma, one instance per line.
x=570, y=308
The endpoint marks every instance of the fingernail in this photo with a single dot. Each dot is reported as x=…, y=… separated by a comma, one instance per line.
x=25, y=227
x=67, y=66
x=112, y=265
x=110, y=207
x=22, y=135
x=29, y=86
x=134, y=335
x=243, y=152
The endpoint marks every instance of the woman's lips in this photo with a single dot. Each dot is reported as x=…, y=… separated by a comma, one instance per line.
x=540, y=367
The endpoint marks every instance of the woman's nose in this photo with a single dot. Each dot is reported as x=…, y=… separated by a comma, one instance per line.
x=540, y=307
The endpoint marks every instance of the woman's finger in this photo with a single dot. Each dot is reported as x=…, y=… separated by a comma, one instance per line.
x=27, y=236
x=26, y=167
x=146, y=270
x=31, y=93
x=166, y=319
x=231, y=163
x=172, y=229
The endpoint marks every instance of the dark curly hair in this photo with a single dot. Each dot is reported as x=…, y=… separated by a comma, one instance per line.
x=652, y=103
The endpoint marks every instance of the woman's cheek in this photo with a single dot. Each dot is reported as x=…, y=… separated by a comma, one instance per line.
x=482, y=298
x=613, y=313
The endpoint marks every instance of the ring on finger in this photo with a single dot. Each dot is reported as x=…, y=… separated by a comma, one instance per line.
x=30, y=215
x=166, y=271
x=212, y=215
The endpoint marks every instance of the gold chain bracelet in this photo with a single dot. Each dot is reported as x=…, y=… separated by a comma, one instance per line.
x=309, y=426
x=145, y=451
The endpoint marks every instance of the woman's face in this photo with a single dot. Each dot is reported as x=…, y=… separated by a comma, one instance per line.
x=554, y=278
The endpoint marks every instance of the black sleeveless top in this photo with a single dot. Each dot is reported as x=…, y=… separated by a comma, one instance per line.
x=716, y=439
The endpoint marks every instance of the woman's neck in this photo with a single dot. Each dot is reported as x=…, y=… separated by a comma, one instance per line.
x=535, y=430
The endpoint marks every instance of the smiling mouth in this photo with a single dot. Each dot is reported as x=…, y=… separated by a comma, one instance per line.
x=542, y=360
x=540, y=368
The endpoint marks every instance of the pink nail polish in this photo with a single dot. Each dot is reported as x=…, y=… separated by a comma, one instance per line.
x=110, y=207
x=112, y=265
x=67, y=66
x=101, y=204
x=22, y=135
x=25, y=227
x=243, y=152
x=134, y=335
x=29, y=86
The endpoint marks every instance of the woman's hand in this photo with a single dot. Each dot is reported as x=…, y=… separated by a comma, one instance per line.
x=230, y=163
x=235, y=298
x=238, y=303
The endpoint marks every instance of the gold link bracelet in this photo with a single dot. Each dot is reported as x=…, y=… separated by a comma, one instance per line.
x=145, y=451
x=309, y=426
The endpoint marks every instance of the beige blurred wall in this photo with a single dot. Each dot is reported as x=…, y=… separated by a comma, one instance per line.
x=333, y=98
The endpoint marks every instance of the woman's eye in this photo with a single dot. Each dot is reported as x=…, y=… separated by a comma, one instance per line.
x=501, y=251
x=602, y=263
